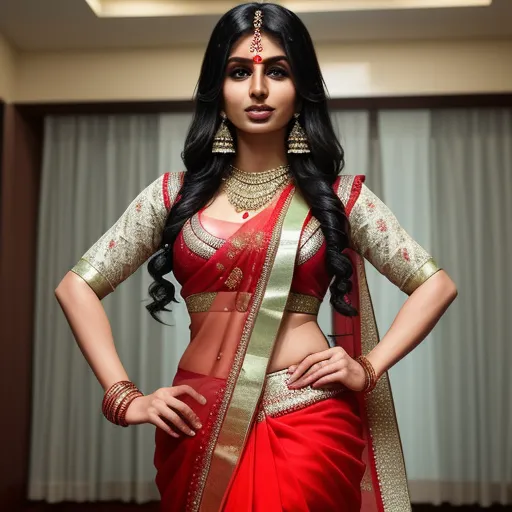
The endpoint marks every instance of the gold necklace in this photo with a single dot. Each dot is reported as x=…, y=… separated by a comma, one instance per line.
x=252, y=190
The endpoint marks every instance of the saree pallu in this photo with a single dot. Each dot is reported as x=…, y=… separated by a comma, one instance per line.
x=303, y=453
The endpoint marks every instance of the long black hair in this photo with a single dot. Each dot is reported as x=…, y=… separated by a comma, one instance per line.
x=313, y=173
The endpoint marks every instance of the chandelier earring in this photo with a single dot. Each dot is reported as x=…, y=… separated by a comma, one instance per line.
x=223, y=141
x=298, y=140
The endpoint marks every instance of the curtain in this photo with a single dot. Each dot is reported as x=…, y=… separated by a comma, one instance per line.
x=472, y=214
x=93, y=167
x=404, y=138
x=446, y=175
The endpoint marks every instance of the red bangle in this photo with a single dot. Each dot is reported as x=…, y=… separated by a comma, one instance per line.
x=370, y=374
x=116, y=400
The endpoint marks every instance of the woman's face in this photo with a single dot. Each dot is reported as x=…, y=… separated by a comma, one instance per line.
x=269, y=84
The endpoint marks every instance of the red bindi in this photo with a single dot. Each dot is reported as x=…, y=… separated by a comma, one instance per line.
x=257, y=59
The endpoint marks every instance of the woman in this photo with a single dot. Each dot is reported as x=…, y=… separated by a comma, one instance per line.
x=263, y=413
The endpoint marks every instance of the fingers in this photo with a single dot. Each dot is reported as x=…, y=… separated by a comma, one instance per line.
x=332, y=378
x=307, y=362
x=318, y=370
x=184, y=388
x=185, y=411
x=158, y=422
x=168, y=414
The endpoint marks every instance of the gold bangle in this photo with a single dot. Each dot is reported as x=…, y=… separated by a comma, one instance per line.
x=370, y=374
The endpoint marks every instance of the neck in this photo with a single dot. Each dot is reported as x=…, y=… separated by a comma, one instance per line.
x=260, y=152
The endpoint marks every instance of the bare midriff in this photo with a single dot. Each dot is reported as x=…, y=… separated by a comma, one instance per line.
x=212, y=350
x=215, y=335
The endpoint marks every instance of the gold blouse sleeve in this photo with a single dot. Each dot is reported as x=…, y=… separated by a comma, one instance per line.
x=135, y=236
x=377, y=236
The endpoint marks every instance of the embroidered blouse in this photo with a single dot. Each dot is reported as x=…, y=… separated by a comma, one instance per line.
x=375, y=234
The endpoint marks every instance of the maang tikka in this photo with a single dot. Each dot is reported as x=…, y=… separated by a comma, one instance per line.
x=223, y=140
x=256, y=40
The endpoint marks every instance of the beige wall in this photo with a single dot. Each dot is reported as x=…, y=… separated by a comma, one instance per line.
x=7, y=70
x=351, y=70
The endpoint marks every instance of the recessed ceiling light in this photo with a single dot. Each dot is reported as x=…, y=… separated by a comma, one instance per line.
x=157, y=8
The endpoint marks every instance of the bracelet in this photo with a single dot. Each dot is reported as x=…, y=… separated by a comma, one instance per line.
x=116, y=400
x=370, y=375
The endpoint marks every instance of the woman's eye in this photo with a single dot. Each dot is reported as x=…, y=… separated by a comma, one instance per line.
x=278, y=72
x=275, y=72
x=238, y=73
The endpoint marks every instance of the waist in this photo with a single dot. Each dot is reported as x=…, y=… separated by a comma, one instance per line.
x=239, y=301
x=278, y=399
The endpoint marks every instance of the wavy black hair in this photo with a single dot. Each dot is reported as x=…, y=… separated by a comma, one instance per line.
x=313, y=173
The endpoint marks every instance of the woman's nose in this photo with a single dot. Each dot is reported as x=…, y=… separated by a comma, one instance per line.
x=258, y=88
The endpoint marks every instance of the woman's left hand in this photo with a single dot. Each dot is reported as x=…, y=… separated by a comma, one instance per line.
x=329, y=369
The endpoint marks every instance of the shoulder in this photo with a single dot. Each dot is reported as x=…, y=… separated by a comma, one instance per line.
x=348, y=188
x=171, y=183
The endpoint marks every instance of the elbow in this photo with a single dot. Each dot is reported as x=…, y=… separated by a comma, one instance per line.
x=439, y=288
x=452, y=291
x=68, y=287
x=446, y=288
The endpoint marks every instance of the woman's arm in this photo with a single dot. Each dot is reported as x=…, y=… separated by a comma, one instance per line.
x=121, y=250
x=377, y=236
x=91, y=329
x=135, y=236
x=415, y=319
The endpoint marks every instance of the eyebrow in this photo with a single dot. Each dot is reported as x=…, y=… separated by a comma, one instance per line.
x=269, y=60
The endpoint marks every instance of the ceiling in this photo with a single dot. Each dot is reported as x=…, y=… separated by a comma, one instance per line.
x=35, y=25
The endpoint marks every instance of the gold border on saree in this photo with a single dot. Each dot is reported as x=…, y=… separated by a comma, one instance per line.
x=245, y=382
x=297, y=302
x=387, y=447
x=279, y=400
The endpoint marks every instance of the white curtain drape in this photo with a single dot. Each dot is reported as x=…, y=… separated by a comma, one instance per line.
x=93, y=167
x=446, y=176
x=472, y=215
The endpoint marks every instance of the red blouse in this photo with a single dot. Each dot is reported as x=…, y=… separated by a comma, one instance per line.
x=310, y=275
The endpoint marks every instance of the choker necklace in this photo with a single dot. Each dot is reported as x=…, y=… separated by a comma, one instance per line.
x=251, y=190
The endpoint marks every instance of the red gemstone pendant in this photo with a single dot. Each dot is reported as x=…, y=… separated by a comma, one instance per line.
x=257, y=59
x=245, y=215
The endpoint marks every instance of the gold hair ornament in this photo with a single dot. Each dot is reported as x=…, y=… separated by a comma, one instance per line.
x=256, y=40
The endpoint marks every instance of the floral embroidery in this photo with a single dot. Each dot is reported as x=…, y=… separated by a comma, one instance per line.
x=381, y=225
x=405, y=254
x=234, y=278
x=138, y=207
x=220, y=267
x=111, y=244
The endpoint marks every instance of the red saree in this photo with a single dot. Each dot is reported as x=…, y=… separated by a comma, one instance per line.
x=263, y=446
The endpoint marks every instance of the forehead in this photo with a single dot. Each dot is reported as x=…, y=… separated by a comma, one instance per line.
x=271, y=46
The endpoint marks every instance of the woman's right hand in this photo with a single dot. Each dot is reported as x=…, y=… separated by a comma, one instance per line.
x=165, y=411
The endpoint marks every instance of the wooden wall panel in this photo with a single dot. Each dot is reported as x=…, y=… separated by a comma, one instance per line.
x=20, y=175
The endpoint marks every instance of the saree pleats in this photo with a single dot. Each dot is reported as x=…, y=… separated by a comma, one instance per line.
x=304, y=461
x=307, y=460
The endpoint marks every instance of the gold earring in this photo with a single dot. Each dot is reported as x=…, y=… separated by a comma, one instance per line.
x=223, y=140
x=298, y=140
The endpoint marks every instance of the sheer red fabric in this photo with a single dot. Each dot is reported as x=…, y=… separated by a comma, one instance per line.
x=303, y=461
